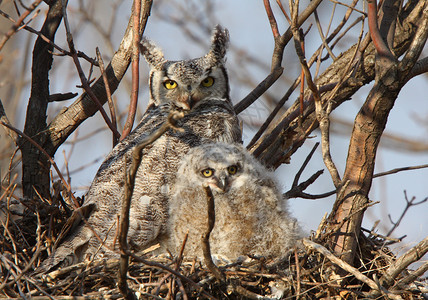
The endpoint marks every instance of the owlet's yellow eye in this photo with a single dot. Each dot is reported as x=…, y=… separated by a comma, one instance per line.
x=170, y=84
x=208, y=172
x=207, y=82
x=232, y=169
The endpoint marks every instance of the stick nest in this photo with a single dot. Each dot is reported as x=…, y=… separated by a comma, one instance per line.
x=305, y=272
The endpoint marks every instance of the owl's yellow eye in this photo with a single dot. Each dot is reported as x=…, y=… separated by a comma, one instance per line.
x=232, y=169
x=170, y=84
x=208, y=172
x=207, y=82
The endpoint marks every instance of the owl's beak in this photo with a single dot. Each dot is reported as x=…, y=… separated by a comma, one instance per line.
x=190, y=101
x=221, y=183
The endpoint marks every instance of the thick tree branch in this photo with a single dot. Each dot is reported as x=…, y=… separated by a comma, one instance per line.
x=71, y=117
x=274, y=145
x=369, y=125
x=35, y=165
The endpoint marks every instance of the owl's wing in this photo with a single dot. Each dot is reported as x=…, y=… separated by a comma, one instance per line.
x=101, y=201
x=74, y=221
x=69, y=251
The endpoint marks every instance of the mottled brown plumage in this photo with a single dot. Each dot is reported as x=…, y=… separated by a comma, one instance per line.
x=251, y=215
x=210, y=118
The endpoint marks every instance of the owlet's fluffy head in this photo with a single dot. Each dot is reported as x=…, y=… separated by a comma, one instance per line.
x=220, y=166
x=185, y=83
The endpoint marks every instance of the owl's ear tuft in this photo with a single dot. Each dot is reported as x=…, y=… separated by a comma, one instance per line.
x=219, y=44
x=152, y=53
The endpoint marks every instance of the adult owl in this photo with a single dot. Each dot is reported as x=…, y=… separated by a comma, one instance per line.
x=251, y=215
x=198, y=86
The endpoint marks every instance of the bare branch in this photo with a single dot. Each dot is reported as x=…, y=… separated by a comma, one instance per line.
x=413, y=275
x=170, y=123
x=381, y=48
x=397, y=170
x=419, y=68
x=85, y=83
x=68, y=120
x=18, y=23
x=272, y=20
x=417, y=45
x=343, y=265
x=136, y=11
x=108, y=92
x=403, y=262
x=5, y=120
x=409, y=203
x=259, y=90
x=206, y=236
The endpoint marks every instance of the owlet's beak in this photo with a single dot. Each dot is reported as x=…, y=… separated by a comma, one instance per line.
x=220, y=184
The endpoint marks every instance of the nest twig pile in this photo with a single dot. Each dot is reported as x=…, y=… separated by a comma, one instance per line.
x=309, y=272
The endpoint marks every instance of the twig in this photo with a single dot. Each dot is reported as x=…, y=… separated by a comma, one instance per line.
x=206, y=236
x=321, y=114
x=5, y=120
x=137, y=154
x=76, y=203
x=381, y=48
x=385, y=237
x=408, y=205
x=297, y=191
x=393, y=171
x=258, y=90
x=305, y=163
x=271, y=18
x=58, y=97
x=108, y=92
x=413, y=275
x=136, y=11
x=321, y=34
x=172, y=271
x=283, y=11
x=18, y=23
x=343, y=265
x=296, y=258
x=414, y=254
x=33, y=258
x=82, y=76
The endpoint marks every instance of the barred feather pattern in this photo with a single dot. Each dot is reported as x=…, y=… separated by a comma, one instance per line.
x=198, y=86
x=211, y=120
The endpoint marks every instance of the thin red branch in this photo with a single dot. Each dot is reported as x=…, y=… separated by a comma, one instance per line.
x=283, y=11
x=135, y=66
x=272, y=20
x=381, y=48
x=18, y=23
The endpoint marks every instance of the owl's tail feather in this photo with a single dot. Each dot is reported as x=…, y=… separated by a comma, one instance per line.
x=68, y=249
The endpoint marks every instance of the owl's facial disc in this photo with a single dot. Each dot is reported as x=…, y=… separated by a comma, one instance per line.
x=217, y=181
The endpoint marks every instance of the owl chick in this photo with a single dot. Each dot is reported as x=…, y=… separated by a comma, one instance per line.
x=200, y=87
x=251, y=216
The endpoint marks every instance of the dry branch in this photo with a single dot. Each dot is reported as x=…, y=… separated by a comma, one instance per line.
x=368, y=128
x=137, y=155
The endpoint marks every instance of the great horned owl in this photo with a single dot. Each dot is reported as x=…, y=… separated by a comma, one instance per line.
x=251, y=216
x=199, y=86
